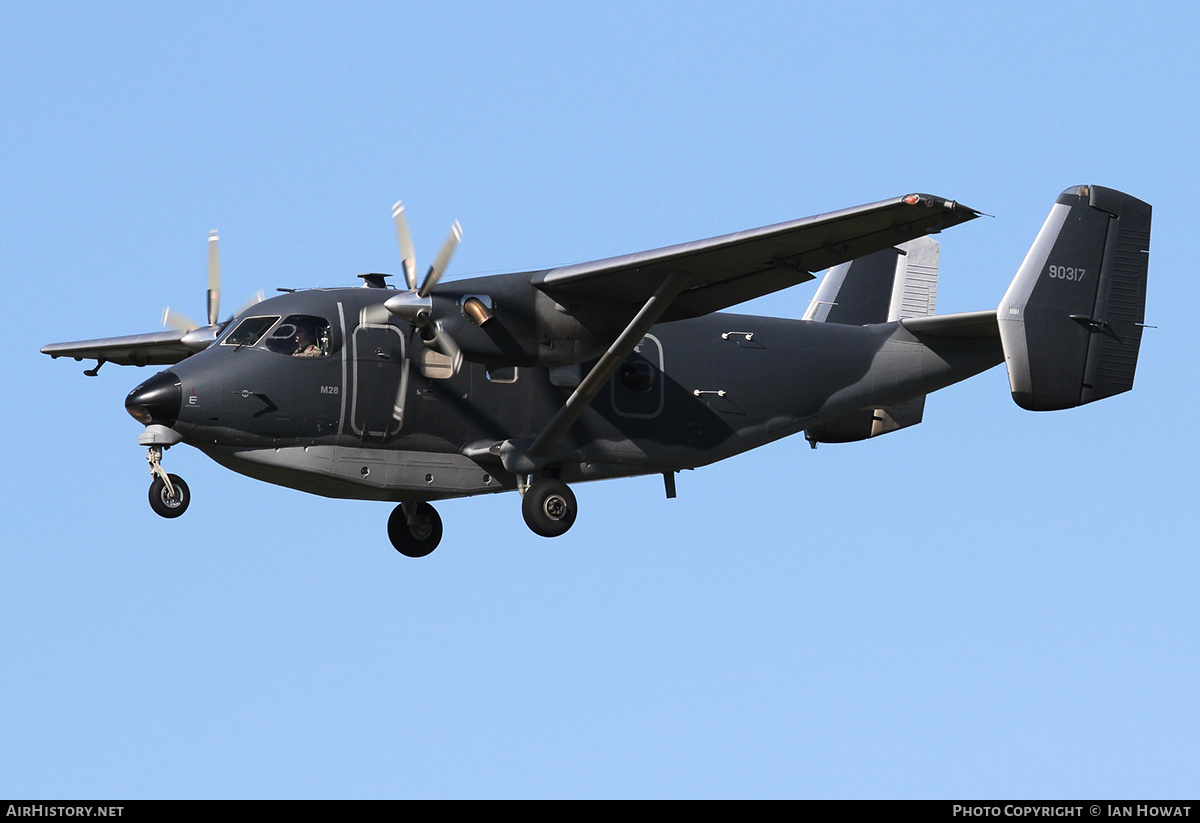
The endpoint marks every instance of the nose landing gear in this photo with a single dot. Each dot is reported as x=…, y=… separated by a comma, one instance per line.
x=169, y=495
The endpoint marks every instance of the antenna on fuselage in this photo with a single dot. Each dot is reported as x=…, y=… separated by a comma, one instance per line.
x=374, y=280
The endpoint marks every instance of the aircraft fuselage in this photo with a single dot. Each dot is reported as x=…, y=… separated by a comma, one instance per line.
x=376, y=415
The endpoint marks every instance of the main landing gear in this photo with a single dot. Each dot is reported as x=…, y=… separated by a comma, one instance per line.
x=169, y=495
x=415, y=529
x=548, y=506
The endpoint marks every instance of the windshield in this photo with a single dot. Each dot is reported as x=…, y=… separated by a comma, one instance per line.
x=249, y=331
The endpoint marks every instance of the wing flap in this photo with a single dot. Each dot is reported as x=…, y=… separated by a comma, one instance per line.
x=732, y=268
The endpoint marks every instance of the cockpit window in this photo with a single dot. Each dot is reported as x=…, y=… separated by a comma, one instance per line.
x=249, y=331
x=300, y=335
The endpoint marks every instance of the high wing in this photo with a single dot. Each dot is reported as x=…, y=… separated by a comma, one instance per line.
x=154, y=349
x=726, y=270
x=691, y=279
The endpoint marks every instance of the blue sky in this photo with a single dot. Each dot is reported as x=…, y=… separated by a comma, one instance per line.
x=994, y=603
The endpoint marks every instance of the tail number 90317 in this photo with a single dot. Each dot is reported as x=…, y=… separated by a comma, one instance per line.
x=1066, y=273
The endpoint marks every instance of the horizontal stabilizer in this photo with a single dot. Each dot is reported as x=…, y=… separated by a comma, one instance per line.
x=961, y=326
x=1071, y=322
x=866, y=423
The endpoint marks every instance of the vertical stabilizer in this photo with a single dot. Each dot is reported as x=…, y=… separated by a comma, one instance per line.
x=1071, y=322
x=895, y=284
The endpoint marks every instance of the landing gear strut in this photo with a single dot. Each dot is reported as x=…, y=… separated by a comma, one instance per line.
x=169, y=495
x=415, y=529
x=549, y=507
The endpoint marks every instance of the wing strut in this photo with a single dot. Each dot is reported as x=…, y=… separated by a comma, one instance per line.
x=523, y=461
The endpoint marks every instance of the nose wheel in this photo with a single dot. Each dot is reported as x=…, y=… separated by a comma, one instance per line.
x=169, y=501
x=169, y=495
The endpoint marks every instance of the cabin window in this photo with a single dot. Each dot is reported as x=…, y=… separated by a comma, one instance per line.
x=502, y=374
x=300, y=335
x=435, y=365
x=636, y=375
x=566, y=377
x=249, y=331
x=639, y=387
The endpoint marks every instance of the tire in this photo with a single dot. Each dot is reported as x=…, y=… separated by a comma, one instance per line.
x=549, y=507
x=163, y=504
x=416, y=542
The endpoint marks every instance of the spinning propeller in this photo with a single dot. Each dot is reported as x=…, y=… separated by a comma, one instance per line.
x=416, y=305
x=197, y=337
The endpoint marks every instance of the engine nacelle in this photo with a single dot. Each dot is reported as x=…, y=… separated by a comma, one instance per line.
x=499, y=322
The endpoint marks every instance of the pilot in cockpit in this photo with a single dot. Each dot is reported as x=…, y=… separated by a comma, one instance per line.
x=306, y=346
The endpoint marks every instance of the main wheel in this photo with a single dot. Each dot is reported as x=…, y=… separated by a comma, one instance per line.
x=549, y=507
x=163, y=503
x=421, y=537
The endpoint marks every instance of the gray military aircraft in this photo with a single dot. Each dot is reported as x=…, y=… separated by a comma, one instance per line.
x=625, y=366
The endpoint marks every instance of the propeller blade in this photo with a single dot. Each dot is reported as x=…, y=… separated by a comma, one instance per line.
x=257, y=297
x=408, y=256
x=180, y=322
x=214, y=279
x=442, y=260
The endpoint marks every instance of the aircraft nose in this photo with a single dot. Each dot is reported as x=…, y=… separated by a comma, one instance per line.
x=157, y=400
